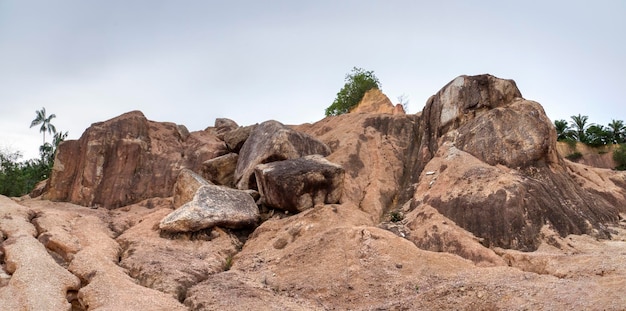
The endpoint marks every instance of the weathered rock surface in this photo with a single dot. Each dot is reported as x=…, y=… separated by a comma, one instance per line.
x=126, y=160
x=376, y=152
x=237, y=137
x=29, y=265
x=174, y=263
x=223, y=126
x=221, y=170
x=272, y=141
x=299, y=184
x=374, y=101
x=600, y=157
x=186, y=186
x=428, y=220
x=429, y=230
x=213, y=206
x=517, y=135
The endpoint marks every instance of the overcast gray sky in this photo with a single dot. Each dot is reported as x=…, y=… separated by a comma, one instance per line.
x=190, y=62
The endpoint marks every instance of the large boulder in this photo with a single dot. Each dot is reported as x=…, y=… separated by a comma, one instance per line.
x=223, y=126
x=221, y=170
x=299, y=184
x=126, y=160
x=235, y=138
x=272, y=141
x=517, y=135
x=494, y=169
x=186, y=186
x=213, y=206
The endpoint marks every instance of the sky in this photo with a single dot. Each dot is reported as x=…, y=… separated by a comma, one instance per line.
x=190, y=62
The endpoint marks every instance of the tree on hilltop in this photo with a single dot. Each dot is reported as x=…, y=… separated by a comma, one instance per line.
x=618, y=131
x=579, y=125
x=45, y=121
x=357, y=83
x=562, y=130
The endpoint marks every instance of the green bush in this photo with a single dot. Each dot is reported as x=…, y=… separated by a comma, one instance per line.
x=619, y=156
x=574, y=156
x=357, y=83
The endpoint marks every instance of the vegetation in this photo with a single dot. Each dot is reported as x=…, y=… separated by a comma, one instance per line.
x=19, y=178
x=574, y=156
x=580, y=130
x=44, y=120
x=357, y=83
x=619, y=156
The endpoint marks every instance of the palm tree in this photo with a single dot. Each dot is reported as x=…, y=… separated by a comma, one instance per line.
x=44, y=120
x=579, y=124
x=562, y=132
x=618, y=131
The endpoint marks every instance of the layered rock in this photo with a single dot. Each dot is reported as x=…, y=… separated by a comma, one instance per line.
x=213, y=206
x=299, y=184
x=125, y=160
x=272, y=141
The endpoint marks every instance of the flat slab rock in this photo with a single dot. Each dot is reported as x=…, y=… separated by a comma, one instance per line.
x=213, y=206
x=299, y=184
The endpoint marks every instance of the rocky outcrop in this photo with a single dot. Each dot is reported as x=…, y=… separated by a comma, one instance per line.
x=223, y=126
x=272, y=141
x=374, y=101
x=499, y=175
x=299, y=184
x=377, y=153
x=125, y=160
x=517, y=135
x=221, y=170
x=213, y=206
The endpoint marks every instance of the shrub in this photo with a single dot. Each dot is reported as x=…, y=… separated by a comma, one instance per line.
x=575, y=156
x=619, y=156
x=357, y=83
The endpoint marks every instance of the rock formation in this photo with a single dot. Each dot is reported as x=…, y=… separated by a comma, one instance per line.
x=272, y=141
x=213, y=206
x=126, y=160
x=466, y=205
x=299, y=184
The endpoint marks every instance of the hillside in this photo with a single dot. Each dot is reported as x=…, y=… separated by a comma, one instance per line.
x=467, y=205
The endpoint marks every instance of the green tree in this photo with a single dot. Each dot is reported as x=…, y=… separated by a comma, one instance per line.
x=619, y=156
x=618, y=131
x=562, y=130
x=357, y=83
x=597, y=135
x=44, y=120
x=579, y=125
